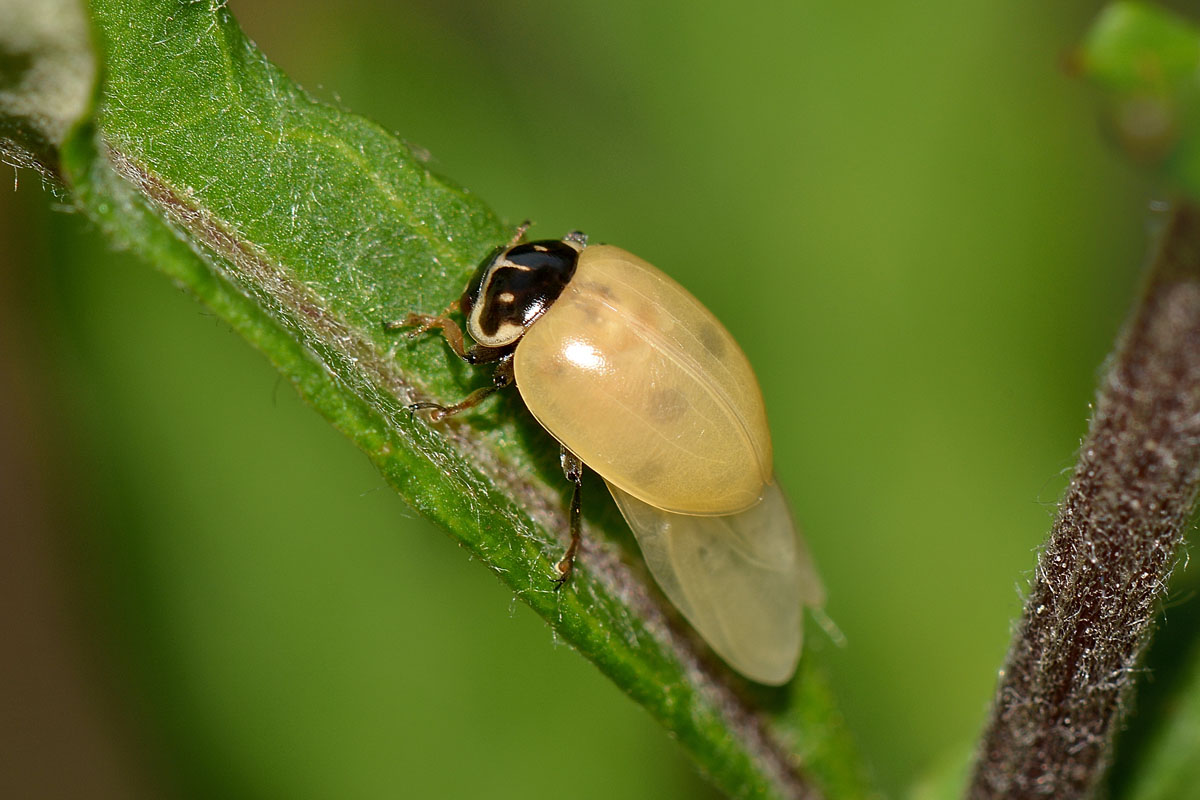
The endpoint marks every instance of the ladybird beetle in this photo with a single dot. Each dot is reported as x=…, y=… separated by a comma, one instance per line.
x=636, y=379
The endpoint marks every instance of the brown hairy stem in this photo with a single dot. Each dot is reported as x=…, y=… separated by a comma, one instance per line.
x=1072, y=663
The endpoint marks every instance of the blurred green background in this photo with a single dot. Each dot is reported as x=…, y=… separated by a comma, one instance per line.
x=907, y=215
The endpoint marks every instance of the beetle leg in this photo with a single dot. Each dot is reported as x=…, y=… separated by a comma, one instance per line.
x=476, y=354
x=572, y=467
x=427, y=322
x=502, y=378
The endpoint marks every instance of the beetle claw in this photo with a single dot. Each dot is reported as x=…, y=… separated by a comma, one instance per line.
x=436, y=411
x=562, y=570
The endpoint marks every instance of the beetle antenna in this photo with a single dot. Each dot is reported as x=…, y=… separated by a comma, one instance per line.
x=520, y=234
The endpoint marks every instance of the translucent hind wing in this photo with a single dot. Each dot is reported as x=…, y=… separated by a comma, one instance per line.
x=740, y=580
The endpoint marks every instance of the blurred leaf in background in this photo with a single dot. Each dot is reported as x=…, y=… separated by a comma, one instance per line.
x=1143, y=57
x=906, y=219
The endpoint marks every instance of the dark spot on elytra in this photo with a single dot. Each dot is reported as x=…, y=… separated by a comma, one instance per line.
x=712, y=339
x=598, y=289
x=648, y=474
x=667, y=404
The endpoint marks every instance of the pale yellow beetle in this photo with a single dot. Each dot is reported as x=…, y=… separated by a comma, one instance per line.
x=639, y=381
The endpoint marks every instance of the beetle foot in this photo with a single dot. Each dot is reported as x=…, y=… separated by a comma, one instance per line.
x=407, y=321
x=420, y=323
x=562, y=571
x=436, y=411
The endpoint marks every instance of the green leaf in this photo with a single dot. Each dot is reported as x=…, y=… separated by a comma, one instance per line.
x=1137, y=47
x=306, y=228
x=1146, y=61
